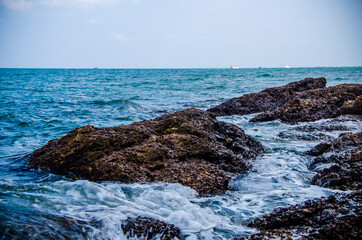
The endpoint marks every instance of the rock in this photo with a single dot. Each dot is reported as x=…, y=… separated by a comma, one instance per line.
x=336, y=217
x=344, y=154
x=324, y=127
x=344, y=141
x=266, y=100
x=304, y=136
x=315, y=131
x=37, y=225
x=148, y=228
x=189, y=147
x=352, y=106
x=346, y=118
x=312, y=105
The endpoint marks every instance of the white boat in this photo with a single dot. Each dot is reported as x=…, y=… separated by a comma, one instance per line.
x=287, y=66
x=234, y=67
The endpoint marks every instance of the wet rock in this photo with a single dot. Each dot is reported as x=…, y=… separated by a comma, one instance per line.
x=189, y=147
x=148, y=228
x=344, y=154
x=346, y=118
x=266, y=100
x=325, y=127
x=315, y=131
x=312, y=105
x=27, y=224
x=304, y=136
x=343, y=142
x=336, y=217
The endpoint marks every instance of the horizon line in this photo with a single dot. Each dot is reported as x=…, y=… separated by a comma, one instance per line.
x=145, y=68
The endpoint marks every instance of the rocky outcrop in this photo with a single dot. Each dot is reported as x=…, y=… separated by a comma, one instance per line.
x=148, y=228
x=312, y=105
x=336, y=217
x=343, y=157
x=189, y=147
x=267, y=100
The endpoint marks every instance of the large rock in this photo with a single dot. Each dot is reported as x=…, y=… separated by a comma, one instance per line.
x=344, y=157
x=189, y=147
x=148, y=228
x=266, y=100
x=312, y=105
x=336, y=217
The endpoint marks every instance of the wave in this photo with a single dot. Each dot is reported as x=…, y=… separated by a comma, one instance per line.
x=124, y=103
x=195, y=79
x=265, y=75
x=112, y=102
x=216, y=87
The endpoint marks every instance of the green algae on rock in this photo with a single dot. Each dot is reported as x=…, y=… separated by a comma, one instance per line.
x=190, y=147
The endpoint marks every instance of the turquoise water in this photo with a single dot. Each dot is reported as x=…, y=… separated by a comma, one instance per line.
x=37, y=105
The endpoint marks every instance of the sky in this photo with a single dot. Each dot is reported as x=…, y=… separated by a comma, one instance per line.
x=180, y=33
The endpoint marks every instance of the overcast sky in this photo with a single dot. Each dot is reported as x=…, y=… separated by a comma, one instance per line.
x=180, y=33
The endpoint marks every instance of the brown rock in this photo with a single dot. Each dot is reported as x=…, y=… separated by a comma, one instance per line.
x=345, y=153
x=189, y=147
x=266, y=100
x=312, y=105
x=336, y=217
x=352, y=106
x=148, y=228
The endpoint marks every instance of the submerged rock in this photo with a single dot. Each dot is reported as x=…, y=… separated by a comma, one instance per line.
x=315, y=104
x=266, y=100
x=336, y=217
x=345, y=155
x=189, y=147
x=148, y=228
x=37, y=225
x=323, y=127
x=304, y=136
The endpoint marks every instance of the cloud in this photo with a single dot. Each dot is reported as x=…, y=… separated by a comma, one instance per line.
x=16, y=4
x=120, y=38
x=23, y=4
x=136, y=1
x=93, y=21
x=78, y=3
x=90, y=1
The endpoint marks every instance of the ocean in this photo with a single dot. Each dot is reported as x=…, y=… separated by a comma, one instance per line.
x=37, y=105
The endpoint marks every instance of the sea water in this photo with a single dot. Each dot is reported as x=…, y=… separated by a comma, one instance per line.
x=37, y=105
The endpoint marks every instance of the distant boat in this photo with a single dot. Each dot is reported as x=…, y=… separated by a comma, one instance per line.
x=287, y=66
x=234, y=67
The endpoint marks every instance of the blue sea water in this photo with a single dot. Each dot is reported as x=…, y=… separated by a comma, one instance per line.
x=37, y=105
